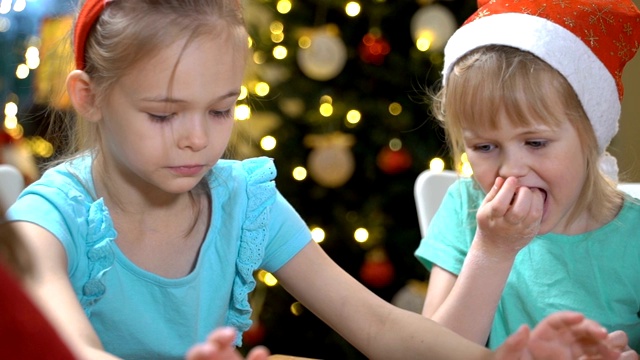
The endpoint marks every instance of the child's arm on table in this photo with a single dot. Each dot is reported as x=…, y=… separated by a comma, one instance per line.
x=50, y=288
x=382, y=331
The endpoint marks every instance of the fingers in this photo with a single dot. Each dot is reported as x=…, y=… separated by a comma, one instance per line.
x=219, y=346
x=629, y=355
x=563, y=319
x=222, y=337
x=497, y=185
x=618, y=340
x=515, y=345
x=258, y=353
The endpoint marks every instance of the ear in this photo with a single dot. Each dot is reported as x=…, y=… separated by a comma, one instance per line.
x=82, y=96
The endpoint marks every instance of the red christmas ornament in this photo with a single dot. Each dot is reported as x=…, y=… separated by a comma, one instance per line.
x=373, y=49
x=377, y=271
x=255, y=334
x=394, y=161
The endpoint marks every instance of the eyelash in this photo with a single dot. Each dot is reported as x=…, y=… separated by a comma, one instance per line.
x=535, y=144
x=163, y=118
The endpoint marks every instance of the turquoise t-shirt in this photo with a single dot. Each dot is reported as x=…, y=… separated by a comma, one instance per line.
x=140, y=315
x=596, y=273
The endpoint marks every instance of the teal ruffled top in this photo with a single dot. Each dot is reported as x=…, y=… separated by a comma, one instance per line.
x=138, y=314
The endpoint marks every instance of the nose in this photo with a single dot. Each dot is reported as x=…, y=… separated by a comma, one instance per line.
x=513, y=163
x=193, y=133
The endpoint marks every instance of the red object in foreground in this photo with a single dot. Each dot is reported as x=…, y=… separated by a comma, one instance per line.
x=24, y=332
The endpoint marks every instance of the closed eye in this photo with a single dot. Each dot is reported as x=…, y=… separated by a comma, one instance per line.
x=160, y=118
x=221, y=113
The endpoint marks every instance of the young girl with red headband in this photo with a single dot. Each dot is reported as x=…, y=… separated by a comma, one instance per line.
x=532, y=94
x=145, y=240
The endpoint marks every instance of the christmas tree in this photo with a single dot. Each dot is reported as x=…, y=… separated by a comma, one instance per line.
x=337, y=94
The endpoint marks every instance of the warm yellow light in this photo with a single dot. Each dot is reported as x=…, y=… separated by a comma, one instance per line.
x=270, y=280
x=10, y=122
x=395, y=108
x=352, y=8
x=423, y=44
x=277, y=38
x=243, y=93
x=10, y=109
x=261, y=88
x=32, y=63
x=296, y=308
x=283, y=6
x=299, y=173
x=41, y=147
x=242, y=112
x=276, y=27
x=267, y=278
x=436, y=165
x=326, y=109
x=259, y=57
x=466, y=170
x=326, y=99
x=304, y=42
x=317, y=234
x=22, y=71
x=268, y=143
x=280, y=52
x=32, y=57
x=17, y=132
x=465, y=166
x=353, y=116
x=361, y=235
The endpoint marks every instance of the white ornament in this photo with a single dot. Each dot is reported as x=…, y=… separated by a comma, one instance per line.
x=331, y=162
x=434, y=22
x=325, y=58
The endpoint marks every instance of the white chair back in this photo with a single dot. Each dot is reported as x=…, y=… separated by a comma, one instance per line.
x=631, y=188
x=429, y=190
x=11, y=184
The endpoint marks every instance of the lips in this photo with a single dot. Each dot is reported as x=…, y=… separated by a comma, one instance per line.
x=187, y=170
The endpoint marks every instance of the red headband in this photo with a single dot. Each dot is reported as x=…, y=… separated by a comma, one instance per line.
x=89, y=14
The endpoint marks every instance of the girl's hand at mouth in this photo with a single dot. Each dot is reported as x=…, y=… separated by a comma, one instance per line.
x=509, y=217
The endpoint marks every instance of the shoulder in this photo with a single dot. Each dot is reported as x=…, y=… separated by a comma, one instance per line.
x=464, y=192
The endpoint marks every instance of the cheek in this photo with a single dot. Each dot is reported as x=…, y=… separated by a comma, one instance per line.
x=484, y=171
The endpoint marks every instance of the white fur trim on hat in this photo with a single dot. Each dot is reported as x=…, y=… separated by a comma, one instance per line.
x=560, y=48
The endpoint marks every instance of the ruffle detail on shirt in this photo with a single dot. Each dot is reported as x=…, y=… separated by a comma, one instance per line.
x=261, y=194
x=100, y=234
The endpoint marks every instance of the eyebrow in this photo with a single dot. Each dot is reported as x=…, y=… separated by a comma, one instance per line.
x=166, y=99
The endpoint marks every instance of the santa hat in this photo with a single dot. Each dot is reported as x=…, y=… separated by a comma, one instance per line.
x=587, y=41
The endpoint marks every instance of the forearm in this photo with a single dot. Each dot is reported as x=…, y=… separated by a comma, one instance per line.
x=406, y=335
x=470, y=307
x=372, y=325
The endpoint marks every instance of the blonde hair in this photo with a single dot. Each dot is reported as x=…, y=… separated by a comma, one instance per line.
x=129, y=32
x=494, y=78
x=126, y=34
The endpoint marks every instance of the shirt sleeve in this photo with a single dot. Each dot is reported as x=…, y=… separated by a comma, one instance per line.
x=452, y=228
x=288, y=234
